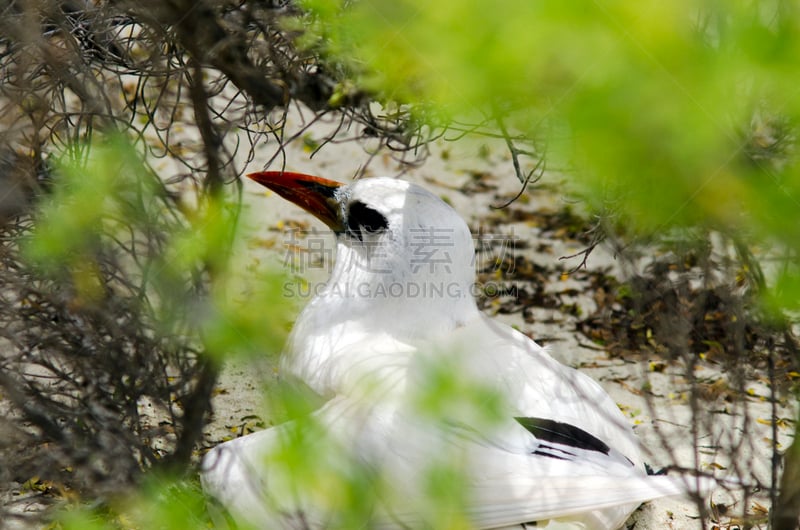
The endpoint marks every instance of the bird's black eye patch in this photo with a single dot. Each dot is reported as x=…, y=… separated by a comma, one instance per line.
x=361, y=217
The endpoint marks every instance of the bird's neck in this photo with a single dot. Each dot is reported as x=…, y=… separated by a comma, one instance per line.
x=364, y=305
x=408, y=299
x=339, y=338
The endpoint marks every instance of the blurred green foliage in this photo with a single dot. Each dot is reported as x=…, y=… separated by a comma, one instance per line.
x=186, y=261
x=681, y=113
x=327, y=473
x=329, y=462
x=176, y=250
x=161, y=502
x=444, y=390
x=108, y=230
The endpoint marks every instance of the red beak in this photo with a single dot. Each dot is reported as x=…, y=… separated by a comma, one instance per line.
x=315, y=195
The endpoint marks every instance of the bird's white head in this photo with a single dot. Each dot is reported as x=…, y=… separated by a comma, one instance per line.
x=405, y=258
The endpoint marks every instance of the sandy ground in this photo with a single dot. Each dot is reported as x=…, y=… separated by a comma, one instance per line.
x=731, y=438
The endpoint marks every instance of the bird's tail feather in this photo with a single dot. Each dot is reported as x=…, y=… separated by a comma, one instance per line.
x=518, y=499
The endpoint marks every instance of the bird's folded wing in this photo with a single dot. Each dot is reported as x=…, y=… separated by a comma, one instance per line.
x=591, y=501
x=508, y=500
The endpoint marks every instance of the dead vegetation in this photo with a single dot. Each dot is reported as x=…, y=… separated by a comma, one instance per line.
x=689, y=312
x=95, y=390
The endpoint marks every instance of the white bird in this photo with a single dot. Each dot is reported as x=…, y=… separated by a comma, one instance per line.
x=396, y=319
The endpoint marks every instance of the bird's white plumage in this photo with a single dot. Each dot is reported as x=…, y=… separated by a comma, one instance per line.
x=399, y=304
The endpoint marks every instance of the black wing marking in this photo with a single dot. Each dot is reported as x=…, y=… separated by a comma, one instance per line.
x=563, y=433
x=540, y=452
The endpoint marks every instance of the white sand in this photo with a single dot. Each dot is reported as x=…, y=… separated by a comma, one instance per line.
x=734, y=441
